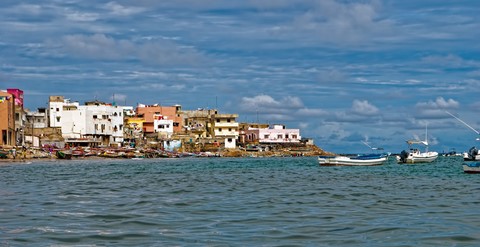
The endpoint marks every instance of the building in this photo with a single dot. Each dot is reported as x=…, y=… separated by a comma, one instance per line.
x=19, y=115
x=95, y=123
x=150, y=112
x=275, y=134
x=224, y=128
x=7, y=119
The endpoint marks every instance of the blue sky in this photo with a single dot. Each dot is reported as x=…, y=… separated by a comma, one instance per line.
x=342, y=71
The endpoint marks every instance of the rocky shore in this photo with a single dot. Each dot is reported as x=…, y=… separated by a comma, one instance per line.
x=12, y=154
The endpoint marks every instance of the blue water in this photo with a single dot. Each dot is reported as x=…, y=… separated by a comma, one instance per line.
x=237, y=202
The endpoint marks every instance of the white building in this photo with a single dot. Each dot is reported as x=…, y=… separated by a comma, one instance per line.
x=275, y=134
x=163, y=126
x=97, y=121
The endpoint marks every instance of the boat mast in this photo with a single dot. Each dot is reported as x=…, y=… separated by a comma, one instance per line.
x=461, y=121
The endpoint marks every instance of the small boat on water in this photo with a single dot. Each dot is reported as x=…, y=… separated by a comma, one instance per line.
x=414, y=155
x=471, y=167
x=359, y=160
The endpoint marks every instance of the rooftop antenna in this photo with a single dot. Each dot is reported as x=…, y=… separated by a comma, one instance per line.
x=461, y=121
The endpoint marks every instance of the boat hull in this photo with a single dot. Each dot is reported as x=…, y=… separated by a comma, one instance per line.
x=471, y=167
x=347, y=161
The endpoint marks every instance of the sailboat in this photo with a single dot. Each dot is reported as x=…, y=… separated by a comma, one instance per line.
x=414, y=155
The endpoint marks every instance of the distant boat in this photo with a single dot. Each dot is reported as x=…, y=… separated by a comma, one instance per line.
x=471, y=155
x=66, y=155
x=359, y=160
x=471, y=167
x=414, y=155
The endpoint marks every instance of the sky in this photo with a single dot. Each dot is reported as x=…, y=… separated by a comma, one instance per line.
x=342, y=71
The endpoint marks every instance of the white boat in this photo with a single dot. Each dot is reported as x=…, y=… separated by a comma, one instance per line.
x=471, y=167
x=414, y=155
x=360, y=160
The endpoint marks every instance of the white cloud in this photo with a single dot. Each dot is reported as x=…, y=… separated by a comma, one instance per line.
x=439, y=103
x=121, y=10
x=363, y=108
x=102, y=47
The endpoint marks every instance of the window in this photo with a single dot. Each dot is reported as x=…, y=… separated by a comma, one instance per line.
x=229, y=129
x=96, y=126
x=219, y=129
x=176, y=124
x=58, y=119
x=294, y=137
x=266, y=136
x=229, y=139
x=58, y=109
x=228, y=120
x=94, y=116
x=286, y=136
x=279, y=136
x=218, y=120
x=17, y=116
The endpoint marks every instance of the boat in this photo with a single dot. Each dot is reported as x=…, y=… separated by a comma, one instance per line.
x=471, y=155
x=471, y=167
x=359, y=160
x=66, y=155
x=414, y=155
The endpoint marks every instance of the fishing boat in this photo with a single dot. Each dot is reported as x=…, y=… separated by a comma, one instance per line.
x=471, y=167
x=414, y=155
x=472, y=154
x=64, y=154
x=359, y=160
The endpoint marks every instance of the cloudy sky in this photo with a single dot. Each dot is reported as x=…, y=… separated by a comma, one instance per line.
x=343, y=71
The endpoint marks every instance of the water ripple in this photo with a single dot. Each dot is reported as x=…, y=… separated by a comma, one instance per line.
x=237, y=202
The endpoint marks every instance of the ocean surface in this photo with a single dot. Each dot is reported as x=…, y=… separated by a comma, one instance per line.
x=237, y=202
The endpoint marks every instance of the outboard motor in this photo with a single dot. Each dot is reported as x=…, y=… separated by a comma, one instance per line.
x=472, y=153
x=403, y=156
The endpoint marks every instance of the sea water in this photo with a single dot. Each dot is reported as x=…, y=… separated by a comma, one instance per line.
x=237, y=202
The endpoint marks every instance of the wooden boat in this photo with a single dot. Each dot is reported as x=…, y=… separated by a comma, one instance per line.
x=471, y=167
x=3, y=154
x=66, y=155
x=359, y=160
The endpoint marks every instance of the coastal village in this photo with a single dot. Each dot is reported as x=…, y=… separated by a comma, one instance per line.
x=67, y=129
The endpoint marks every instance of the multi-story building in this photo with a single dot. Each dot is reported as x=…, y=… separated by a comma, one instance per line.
x=95, y=123
x=7, y=119
x=163, y=126
x=148, y=112
x=196, y=122
x=19, y=115
x=275, y=134
x=224, y=128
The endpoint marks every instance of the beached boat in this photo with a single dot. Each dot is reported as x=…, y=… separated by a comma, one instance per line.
x=359, y=160
x=3, y=154
x=65, y=154
x=471, y=167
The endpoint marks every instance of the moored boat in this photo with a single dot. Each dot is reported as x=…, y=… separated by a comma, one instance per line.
x=471, y=167
x=359, y=160
x=414, y=155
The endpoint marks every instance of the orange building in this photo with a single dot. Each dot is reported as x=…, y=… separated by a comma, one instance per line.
x=7, y=119
x=152, y=112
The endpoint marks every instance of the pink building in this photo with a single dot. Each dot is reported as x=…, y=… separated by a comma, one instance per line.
x=275, y=134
